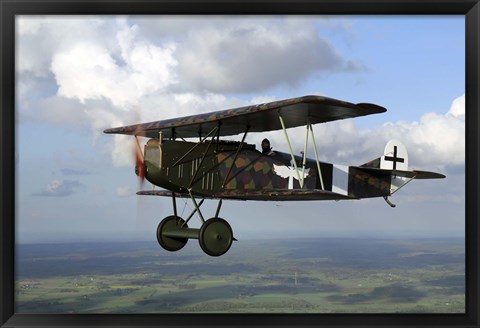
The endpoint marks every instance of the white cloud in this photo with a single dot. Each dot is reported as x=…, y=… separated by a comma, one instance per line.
x=40, y=37
x=436, y=139
x=58, y=188
x=254, y=55
x=123, y=151
x=116, y=71
x=93, y=57
x=131, y=62
x=457, y=109
x=434, y=142
x=88, y=71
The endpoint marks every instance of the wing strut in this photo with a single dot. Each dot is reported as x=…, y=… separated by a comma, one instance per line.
x=197, y=206
x=301, y=177
x=195, y=146
x=290, y=148
x=193, y=212
x=174, y=202
x=203, y=158
x=160, y=149
x=304, y=159
x=309, y=126
x=403, y=185
x=235, y=158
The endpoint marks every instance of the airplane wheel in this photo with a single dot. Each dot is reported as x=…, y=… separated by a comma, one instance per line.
x=215, y=237
x=169, y=224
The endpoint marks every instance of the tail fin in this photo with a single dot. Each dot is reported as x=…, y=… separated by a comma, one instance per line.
x=394, y=163
x=394, y=158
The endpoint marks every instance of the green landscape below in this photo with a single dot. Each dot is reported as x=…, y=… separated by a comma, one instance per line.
x=327, y=275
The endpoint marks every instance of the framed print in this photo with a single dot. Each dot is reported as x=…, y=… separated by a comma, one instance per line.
x=225, y=163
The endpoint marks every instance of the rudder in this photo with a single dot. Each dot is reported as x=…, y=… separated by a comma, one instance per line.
x=395, y=156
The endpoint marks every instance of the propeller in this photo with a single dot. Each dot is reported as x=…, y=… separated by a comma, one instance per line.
x=141, y=217
x=140, y=168
x=139, y=162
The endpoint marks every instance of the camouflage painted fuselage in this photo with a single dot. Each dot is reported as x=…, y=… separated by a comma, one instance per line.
x=251, y=171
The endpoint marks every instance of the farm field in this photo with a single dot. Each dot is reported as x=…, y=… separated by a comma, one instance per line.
x=327, y=275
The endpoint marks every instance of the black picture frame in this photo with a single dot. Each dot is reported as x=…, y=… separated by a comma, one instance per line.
x=10, y=8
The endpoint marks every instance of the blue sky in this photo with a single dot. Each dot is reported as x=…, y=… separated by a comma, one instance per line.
x=77, y=76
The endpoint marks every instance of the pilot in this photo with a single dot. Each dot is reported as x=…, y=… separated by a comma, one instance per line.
x=266, y=149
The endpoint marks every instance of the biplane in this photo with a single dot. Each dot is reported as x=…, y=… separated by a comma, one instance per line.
x=212, y=168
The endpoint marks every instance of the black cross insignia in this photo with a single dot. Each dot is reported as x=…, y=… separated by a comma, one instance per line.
x=394, y=159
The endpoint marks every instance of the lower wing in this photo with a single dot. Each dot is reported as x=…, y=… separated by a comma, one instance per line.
x=264, y=194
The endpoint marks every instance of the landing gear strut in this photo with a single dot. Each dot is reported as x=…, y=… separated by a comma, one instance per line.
x=215, y=236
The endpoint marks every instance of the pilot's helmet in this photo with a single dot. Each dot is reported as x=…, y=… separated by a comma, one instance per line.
x=266, y=145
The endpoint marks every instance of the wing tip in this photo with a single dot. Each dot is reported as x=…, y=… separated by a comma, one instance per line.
x=372, y=107
x=121, y=129
x=429, y=175
x=128, y=130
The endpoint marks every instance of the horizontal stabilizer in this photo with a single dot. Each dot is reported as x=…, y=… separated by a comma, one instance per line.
x=375, y=163
x=405, y=174
x=428, y=175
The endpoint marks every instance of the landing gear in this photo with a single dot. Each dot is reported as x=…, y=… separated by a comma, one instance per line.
x=215, y=236
x=165, y=229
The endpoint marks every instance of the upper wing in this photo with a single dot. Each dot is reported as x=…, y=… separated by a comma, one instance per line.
x=257, y=118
